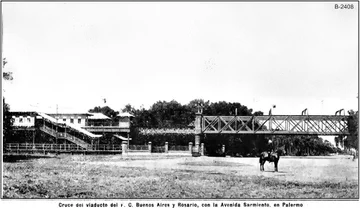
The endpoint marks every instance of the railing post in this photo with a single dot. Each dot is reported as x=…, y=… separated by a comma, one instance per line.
x=128, y=137
x=166, y=147
x=123, y=147
x=202, y=151
x=190, y=147
x=290, y=153
x=33, y=137
x=149, y=146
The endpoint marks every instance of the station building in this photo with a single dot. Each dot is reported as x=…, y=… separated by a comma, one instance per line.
x=69, y=131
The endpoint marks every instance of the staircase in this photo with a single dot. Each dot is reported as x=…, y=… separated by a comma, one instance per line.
x=80, y=142
x=51, y=132
x=66, y=136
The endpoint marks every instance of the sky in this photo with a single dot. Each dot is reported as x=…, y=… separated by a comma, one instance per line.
x=70, y=56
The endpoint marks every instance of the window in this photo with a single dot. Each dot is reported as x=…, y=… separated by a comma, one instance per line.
x=64, y=119
x=79, y=121
x=28, y=120
x=20, y=120
x=72, y=120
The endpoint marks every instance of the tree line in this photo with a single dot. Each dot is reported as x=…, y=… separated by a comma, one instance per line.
x=172, y=114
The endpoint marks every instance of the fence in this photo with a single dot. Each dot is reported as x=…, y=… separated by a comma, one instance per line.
x=56, y=148
x=95, y=148
x=138, y=148
x=106, y=147
x=155, y=148
x=158, y=149
x=178, y=148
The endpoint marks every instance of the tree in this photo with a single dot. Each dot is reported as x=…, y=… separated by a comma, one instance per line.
x=352, y=140
x=258, y=113
x=169, y=114
x=106, y=110
x=128, y=108
x=6, y=75
x=7, y=121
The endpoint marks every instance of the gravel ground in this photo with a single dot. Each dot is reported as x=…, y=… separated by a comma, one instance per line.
x=302, y=169
x=165, y=176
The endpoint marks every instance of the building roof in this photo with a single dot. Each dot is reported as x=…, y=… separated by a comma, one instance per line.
x=18, y=113
x=121, y=137
x=97, y=116
x=125, y=114
x=67, y=114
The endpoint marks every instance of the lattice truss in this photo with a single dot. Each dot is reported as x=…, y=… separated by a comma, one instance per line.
x=280, y=124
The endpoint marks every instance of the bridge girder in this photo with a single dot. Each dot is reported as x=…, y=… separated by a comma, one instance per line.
x=273, y=125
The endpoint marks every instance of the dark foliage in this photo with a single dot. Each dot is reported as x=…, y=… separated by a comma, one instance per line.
x=106, y=110
x=162, y=115
x=7, y=121
x=352, y=141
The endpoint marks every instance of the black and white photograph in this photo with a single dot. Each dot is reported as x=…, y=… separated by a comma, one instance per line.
x=167, y=104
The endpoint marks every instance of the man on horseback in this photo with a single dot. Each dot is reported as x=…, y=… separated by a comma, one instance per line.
x=270, y=156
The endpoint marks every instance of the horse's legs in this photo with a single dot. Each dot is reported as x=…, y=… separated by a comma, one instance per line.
x=262, y=165
x=276, y=166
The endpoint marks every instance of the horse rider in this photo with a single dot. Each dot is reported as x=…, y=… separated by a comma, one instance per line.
x=271, y=148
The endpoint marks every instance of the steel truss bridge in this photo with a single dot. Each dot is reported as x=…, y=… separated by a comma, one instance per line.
x=273, y=124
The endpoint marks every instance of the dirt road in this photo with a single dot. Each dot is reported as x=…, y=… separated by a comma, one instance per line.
x=302, y=169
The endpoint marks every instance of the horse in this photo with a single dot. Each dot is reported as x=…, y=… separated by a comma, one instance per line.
x=270, y=157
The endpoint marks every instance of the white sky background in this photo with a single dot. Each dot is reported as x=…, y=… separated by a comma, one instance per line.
x=293, y=55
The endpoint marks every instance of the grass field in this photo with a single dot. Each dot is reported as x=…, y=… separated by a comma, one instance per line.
x=160, y=176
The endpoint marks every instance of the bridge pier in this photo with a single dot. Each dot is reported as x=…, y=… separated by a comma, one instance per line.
x=197, y=143
x=198, y=131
